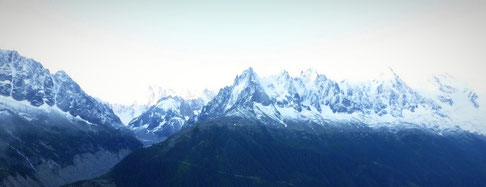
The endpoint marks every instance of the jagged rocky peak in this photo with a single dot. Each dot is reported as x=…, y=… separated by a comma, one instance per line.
x=247, y=75
x=248, y=89
x=25, y=79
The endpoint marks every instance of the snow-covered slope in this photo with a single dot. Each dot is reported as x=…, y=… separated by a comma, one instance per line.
x=312, y=97
x=165, y=118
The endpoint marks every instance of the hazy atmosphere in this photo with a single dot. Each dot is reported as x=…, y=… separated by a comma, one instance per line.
x=123, y=47
x=152, y=93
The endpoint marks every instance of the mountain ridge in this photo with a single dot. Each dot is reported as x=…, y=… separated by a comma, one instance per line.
x=312, y=96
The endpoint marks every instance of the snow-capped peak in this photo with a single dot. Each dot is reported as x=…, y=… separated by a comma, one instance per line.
x=168, y=103
x=248, y=76
x=24, y=79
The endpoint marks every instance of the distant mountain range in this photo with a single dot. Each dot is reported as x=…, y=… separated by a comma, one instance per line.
x=165, y=118
x=153, y=95
x=314, y=98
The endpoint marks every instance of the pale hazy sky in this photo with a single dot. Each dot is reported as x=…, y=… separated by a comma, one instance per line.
x=115, y=49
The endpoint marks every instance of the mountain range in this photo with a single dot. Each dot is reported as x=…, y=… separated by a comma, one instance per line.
x=315, y=98
x=279, y=130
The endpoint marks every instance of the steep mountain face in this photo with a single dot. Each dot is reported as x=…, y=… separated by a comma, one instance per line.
x=52, y=132
x=165, y=118
x=312, y=131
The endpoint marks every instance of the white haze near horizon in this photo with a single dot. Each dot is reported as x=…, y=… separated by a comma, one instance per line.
x=116, y=49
